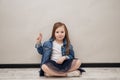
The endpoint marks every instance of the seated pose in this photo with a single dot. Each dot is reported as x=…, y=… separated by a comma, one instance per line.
x=57, y=53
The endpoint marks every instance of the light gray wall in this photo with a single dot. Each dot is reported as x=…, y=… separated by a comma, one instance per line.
x=94, y=28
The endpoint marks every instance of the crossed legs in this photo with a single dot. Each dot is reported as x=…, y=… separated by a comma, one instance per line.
x=74, y=66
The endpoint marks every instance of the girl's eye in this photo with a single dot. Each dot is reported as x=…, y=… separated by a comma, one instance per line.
x=62, y=31
x=57, y=32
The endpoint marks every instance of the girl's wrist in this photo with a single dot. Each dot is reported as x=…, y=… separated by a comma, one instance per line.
x=65, y=57
x=37, y=45
x=38, y=42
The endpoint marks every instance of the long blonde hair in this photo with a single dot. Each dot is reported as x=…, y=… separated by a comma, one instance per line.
x=57, y=25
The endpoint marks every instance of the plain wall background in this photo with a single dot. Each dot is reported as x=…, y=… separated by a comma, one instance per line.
x=94, y=28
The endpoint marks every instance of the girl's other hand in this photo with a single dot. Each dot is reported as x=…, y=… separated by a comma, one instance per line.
x=39, y=38
x=61, y=60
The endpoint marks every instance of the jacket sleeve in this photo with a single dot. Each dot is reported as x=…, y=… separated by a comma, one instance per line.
x=46, y=51
x=71, y=53
x=39, y=48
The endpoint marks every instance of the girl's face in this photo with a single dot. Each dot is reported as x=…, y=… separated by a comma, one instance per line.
x=60, y=33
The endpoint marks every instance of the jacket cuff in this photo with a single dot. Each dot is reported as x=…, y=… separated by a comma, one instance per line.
x=37, y=45
x=67, y=57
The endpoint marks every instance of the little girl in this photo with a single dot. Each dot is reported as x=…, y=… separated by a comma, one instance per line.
x=58, y=54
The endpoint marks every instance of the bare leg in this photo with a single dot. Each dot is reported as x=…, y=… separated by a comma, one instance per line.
x=47, y=70
x=73, y=70
x=75, y=65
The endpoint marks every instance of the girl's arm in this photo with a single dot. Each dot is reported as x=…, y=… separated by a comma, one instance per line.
x=38, y=44
x=69, y=56
x=71, y=53
x=39, y=48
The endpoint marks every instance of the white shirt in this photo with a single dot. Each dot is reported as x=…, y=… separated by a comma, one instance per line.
x=56, y=52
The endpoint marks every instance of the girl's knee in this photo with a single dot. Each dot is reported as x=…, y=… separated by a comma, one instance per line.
x=78, y=63
x=44, y=67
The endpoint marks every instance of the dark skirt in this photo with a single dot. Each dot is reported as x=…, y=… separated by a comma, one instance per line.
x=59, y=68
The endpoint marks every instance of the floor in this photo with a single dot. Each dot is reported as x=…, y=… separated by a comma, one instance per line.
x=32, y=74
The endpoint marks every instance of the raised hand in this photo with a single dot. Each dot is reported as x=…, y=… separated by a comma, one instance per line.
x=39, y=38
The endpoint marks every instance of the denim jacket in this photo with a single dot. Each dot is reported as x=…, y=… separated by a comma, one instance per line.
x=46, y=50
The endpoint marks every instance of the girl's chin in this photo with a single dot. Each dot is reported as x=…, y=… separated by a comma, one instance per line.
x=60, y=39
